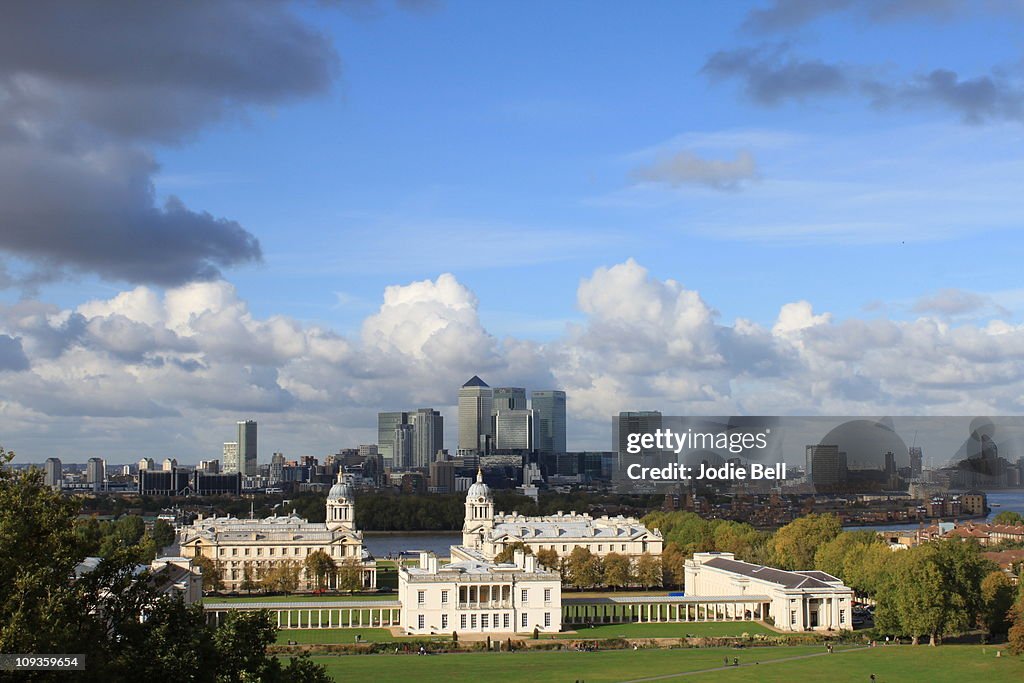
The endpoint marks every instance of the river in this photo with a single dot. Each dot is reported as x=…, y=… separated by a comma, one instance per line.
x=384, y=544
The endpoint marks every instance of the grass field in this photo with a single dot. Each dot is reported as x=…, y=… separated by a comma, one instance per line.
x=335, y=635
x=946, y=664
x=698, y=629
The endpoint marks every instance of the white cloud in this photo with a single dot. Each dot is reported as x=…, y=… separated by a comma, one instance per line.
x=156, y=373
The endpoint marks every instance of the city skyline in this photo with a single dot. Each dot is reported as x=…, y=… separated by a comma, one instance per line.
x=735, y=210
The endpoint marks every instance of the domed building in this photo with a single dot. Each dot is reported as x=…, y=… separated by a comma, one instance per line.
x=486, y=534
x=234, y=543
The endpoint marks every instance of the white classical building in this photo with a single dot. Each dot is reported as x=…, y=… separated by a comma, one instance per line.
x=234, y=543
x=795, y=601
x=489, y=534
x=479, y=596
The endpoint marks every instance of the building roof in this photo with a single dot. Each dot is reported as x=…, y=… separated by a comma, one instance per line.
x=475, y=381
x=780, y=577
x=569, y=527
x=285, y=529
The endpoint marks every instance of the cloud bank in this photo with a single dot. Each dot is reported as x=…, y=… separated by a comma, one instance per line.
x=150, y=373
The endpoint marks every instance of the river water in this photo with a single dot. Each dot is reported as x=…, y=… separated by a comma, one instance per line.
x=382, y=545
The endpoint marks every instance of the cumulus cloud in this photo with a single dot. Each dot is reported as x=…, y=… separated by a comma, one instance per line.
x=169, y=372
x=686, y=168
x=85, y=91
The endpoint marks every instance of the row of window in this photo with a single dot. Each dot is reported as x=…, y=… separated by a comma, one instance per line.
x=421, y=596
x=272, y=552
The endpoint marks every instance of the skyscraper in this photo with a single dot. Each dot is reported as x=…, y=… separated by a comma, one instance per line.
x=276, y=474
x=508, y=398
x=638, y=422
x=549, y=421
x=95, y=473
x=386, y=425
x=403, y=443
x=428, y=436
x=247, y=448
x=514, y=430
x=54, y=473
x=475, y=407
x=230, y=458
x=916, y=460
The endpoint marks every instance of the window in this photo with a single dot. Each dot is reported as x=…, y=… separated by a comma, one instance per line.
x=505, y=621
x=472, y=621
x=792, y=617
x=462, y=621
x=623, y=547
x=421, y=597
x=444, y=621
x=234, y=551
x=272, y=552
x=525, y=596
x=525, y=621
x=547, y=619
x=246, y=552
x=564, y=548
x=444, y=597
x=600, y=548
x=420, y=621
x=485, y=620
x=842, y=616
x=547, y=595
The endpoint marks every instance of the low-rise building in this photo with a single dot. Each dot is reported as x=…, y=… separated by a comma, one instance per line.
x=794, y=600
x=478, y=595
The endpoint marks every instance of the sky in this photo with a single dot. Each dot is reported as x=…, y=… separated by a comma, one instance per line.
x=306, y=213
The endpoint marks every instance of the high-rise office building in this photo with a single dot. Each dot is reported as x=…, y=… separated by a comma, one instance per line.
x=514, y=430
x=54, y=473
x=827, y=465
x=146, y=464
x=247, y=448
x=230, y=458
x=442, y=476
x=549, y=421
x=403, y=445
x=95, y=473
x=916, y=460
x=276, y=474
x=637, y=422
x=386, y=425
x=209, y=466
x=475, y=408
x=428, y=436
x=169, y=464
x=508, y=398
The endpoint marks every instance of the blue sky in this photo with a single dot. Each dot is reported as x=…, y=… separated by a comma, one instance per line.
x=512, y=145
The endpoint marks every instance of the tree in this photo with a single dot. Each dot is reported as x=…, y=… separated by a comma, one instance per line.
x=997, y=597
x=673, y=565
x=648, y=570
x=320, y=569
x=1008, y=517
x=350, y=575
x=584, y=568
x=163, y=534
x=248, y=580
x=212, y=576
x=548, y=557
x=282, y=577
x=507, y=553
x=1015, y=636
x=794, y=545
x=933, y=590
x=831, y=556
x=241, y=643
x=616, y=570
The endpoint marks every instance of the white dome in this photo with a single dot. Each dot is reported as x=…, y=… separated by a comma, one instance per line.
x=479, y=489
x=342, y=490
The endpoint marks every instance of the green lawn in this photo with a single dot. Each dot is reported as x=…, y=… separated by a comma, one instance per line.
x=946, y=664
x=594, y=667
x=301, y=598
x=698, y=629
x=334, y=635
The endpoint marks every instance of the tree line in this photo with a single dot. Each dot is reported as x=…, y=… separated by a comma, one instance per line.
x=119, y=618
